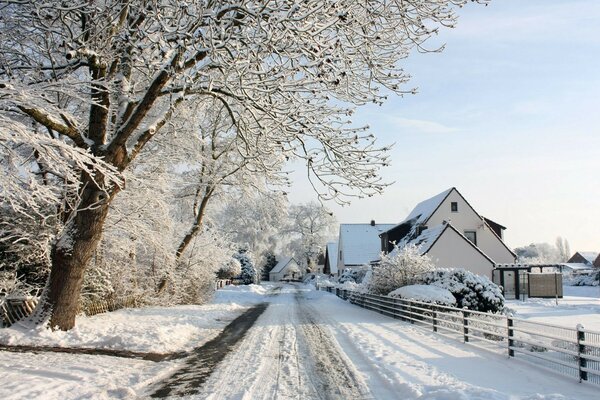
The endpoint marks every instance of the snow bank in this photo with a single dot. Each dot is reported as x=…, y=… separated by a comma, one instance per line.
x=425, y=293
x=149, y=329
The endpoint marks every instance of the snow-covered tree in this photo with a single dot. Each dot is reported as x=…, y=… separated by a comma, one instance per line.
x=564, y=250
x=270, y=263
x=249, y=273
x=309, y=227
x=544, y=253
x=254, y=218
x=218, y=163
x=401, y=267
x=230, y=269
x=101, y=78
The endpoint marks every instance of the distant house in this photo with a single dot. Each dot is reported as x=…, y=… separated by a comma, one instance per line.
x=359, y=244
x=585, y=257
x=575, y=267
x=331, y=259
x=448, y=229
x=597, y=262
x=287, y=268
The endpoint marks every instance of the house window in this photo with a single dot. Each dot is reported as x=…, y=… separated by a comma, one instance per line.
x=454, y=206
x=472, y=236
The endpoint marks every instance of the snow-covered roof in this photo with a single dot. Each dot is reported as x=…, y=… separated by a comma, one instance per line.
x=426, y=208
x=577, y=266
x=361, y=243
x=332, y=255
x=589, y=255
x=424, y=241
x=428, y=237
x=281, y=265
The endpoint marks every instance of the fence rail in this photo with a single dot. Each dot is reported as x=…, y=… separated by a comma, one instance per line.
x=572, y=352
x=13, y=310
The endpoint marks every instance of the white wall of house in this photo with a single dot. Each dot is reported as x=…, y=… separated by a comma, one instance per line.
x=452, y=251
x=466, y=219
x=286, y=272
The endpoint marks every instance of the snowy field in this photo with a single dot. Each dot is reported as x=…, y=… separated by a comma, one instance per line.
x=306, y=345
x=580, y=305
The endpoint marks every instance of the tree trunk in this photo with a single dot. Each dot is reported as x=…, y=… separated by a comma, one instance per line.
x=70, y=255
x=196, y=226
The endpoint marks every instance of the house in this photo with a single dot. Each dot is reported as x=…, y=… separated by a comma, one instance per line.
x=597, y=262
x=359, y=244
x=331, y=259
x=584, y=257
x=285, y=269
x=448, y=229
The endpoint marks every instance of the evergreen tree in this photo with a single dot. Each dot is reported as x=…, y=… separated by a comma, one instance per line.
x=271, y=262
x=249, y=274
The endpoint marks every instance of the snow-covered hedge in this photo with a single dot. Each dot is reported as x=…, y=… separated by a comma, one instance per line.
x=472, y=291
x=425, y=293
x=584, y=279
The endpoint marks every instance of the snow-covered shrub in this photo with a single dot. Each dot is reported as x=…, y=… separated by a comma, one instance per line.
x=425, y=293
x=403, y=266
x=249, y=274
x=472, y=291
x=591, y=278
x=352, y=275
x=230, y=269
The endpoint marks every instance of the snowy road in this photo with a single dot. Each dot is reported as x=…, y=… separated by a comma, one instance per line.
x=311, y=345
x=304, y=345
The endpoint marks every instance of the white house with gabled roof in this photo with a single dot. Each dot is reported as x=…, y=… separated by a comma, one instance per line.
x=286, y=268
x=359, y=244
x=448, y=229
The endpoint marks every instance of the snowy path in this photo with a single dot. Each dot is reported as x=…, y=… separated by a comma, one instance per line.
x=311, y=345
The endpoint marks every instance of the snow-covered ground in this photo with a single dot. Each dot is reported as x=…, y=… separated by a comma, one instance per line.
x=153, y=329
x=579, y=305
x=149, y=329
x=305, y=345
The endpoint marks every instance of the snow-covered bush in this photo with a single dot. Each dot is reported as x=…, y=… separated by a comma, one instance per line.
x=472, y=291
x=352, y=275
x=425, y=293
x=403, y=266
x=230, y=269
x=591, y=278
x=249, y=274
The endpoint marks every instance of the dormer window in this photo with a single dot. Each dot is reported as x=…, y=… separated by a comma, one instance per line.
x=454, y=206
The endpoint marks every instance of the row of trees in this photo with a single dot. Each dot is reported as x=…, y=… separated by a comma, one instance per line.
x=103, y=97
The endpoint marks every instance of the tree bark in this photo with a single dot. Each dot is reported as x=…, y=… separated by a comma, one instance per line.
x=196, y=226
x=70, y=255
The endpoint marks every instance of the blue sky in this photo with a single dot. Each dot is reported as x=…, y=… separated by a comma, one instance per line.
x=509, y=114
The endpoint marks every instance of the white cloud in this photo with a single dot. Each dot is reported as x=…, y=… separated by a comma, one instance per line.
x=421, y=125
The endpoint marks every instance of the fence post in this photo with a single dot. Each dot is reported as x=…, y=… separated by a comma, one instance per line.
x=583, y=375
x=511, y=333
x=465, y=315
x=434, y=318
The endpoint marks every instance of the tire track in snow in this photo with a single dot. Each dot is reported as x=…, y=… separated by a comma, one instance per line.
x=332, y=371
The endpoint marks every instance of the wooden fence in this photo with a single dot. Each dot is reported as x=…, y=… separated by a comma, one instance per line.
x=102, y=306
x=13, y=310
x=573, y=352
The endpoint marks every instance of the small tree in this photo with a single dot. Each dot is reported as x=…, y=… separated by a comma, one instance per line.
x=403, y=266
x=249, y=274
x=271, y=262
x=230, y=270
